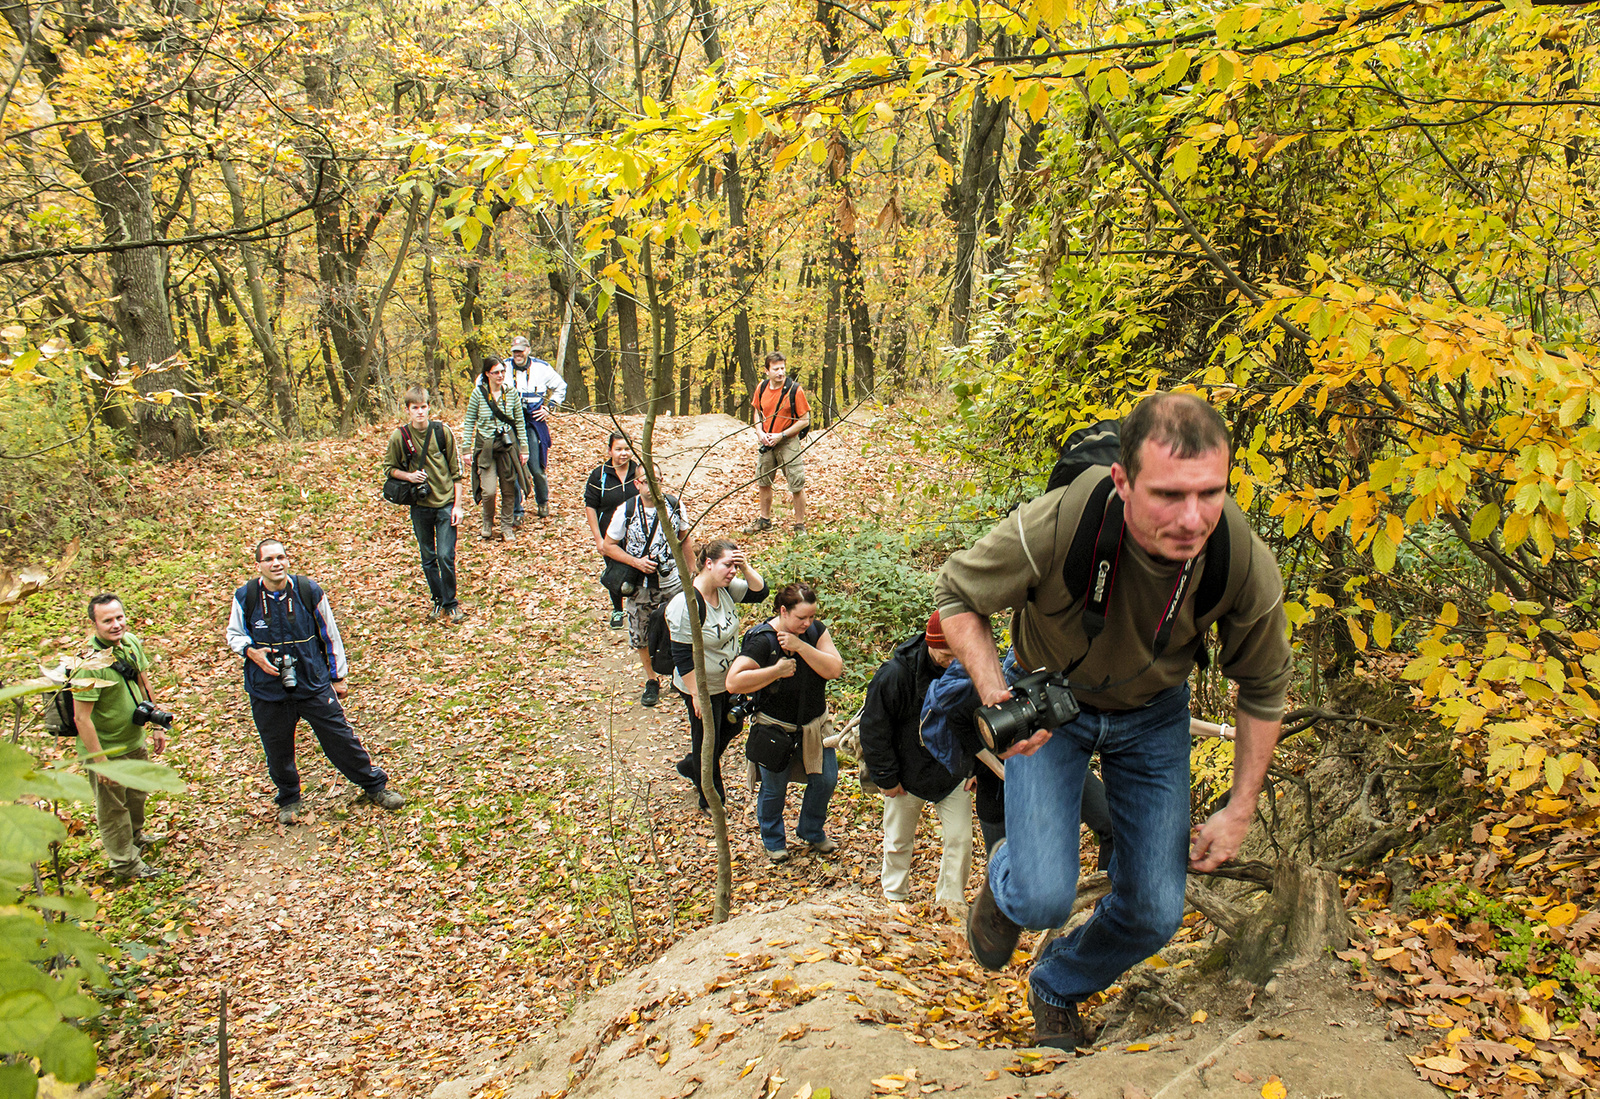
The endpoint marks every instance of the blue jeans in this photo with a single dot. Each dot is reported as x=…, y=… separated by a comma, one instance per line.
x=436, y=538
x=813, y=805
x=1144, y=759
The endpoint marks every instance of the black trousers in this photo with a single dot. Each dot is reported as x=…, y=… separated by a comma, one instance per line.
x=276, y=722
x=725, y=732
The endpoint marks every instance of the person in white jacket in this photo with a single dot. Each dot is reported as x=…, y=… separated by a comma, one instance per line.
x=542, y=390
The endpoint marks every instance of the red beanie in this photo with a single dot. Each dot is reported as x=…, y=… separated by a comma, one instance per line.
x=935, y=637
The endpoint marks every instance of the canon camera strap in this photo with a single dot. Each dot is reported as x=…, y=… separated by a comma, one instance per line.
x=1103, y=578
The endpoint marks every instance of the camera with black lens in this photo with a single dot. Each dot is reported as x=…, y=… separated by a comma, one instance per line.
x=146, y=713
x=287, y=675
x=741, y=707
x=1042, y=700
x=631, y=587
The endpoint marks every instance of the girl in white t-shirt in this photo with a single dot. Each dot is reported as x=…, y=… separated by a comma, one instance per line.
x=724, y=580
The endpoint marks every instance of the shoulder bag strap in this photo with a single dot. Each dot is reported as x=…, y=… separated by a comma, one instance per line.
x=766, y=424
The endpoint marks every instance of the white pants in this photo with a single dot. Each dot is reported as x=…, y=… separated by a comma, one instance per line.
x=900, y=816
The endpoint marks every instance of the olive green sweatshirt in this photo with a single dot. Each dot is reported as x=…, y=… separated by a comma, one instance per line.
x=443, y=465
x=1025, y=553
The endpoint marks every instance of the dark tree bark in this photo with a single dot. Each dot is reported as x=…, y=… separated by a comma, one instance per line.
x=432, y=345
x=661, y=305
x=118, y=172
x=635, y=392
x=846, y=250
x=741, y=265
x=971, y=201
x=605, y=385
x=830, y=351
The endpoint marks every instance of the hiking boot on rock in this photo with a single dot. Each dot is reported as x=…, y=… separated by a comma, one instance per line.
x=990, y=932
x=1058, y=1027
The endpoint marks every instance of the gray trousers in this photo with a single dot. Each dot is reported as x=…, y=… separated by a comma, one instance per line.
x=119, y=810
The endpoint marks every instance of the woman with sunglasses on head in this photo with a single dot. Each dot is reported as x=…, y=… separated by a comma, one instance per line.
x=724, y=580
x=610, y=485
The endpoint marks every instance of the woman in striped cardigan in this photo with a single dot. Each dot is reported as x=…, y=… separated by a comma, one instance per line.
x=497, y=440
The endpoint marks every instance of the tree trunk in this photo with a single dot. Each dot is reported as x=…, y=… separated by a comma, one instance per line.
x=605, y=383
x=972, y=189
x=830, y=351
x=661, y=285
x=741, y=264
x=432, y=345
x=258, y=317
x=635, y=393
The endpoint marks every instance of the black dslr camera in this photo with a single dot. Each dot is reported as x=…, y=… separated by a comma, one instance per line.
x=146, y=713
x=1042, y=700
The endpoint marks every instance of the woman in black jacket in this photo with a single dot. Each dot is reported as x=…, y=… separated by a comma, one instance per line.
x=610, y=485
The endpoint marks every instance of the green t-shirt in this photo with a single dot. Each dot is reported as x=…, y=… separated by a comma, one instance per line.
x=113, y=705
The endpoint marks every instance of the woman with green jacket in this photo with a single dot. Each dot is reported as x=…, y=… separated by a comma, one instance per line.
x=495, y=437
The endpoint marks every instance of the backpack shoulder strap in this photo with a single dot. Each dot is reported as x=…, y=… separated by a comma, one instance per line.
x=303, y=590
x=1076, y=570
x=438, y=435
x=792, y=387
x=1228, y=556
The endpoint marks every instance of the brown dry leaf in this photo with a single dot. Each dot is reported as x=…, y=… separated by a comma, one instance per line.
x=1243, y=1077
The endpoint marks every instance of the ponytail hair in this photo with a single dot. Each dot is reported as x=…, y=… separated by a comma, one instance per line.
x=714, y=550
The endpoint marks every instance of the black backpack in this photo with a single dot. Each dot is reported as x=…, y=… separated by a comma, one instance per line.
x=1095, y=546
x=58, y=714
x=658, y=639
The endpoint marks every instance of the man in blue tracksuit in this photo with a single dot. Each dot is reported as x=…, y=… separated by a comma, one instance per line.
x=294, y=668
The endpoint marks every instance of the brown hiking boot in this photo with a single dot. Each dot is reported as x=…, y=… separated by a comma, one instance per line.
x=990, y=932
x=1058, y=1027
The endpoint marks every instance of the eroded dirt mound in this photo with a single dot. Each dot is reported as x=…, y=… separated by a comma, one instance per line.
x=866, y=999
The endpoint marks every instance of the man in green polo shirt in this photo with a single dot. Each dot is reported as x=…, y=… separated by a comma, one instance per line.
x=104, y=716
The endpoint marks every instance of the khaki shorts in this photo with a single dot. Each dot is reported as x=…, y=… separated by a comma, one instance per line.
x=787, y=456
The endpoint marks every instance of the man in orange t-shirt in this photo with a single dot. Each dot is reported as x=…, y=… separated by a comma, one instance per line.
x=781, y=415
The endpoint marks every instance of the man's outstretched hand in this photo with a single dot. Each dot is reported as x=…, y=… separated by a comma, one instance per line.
x=1218, y=839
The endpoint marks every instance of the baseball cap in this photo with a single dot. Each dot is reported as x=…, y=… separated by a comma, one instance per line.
x=521, y=344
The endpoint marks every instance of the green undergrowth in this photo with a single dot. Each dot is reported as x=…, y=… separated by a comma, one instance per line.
x=1524, y=952
x=874, y=589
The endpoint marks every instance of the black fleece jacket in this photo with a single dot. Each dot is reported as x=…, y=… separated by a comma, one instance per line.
x=890, y=722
